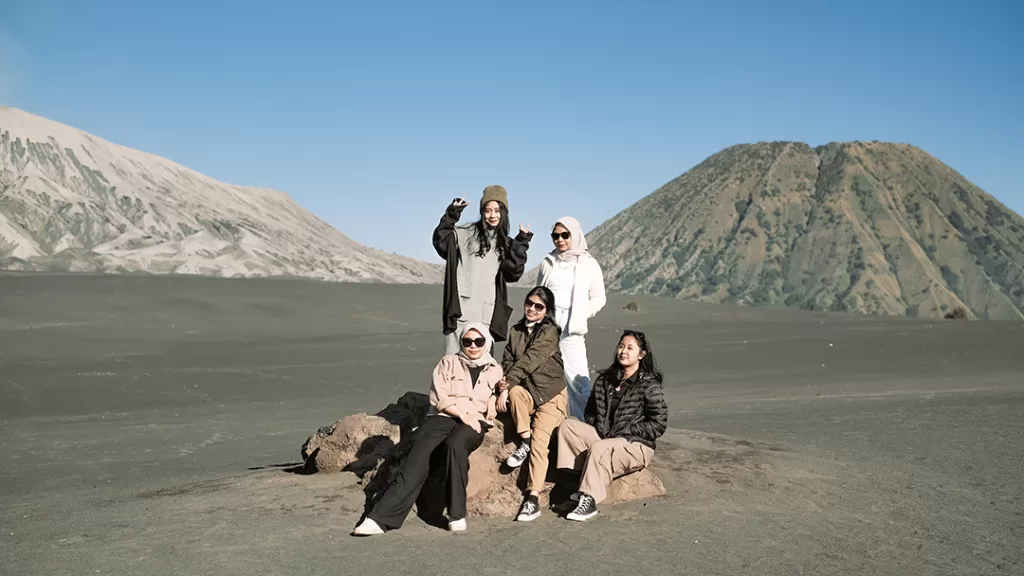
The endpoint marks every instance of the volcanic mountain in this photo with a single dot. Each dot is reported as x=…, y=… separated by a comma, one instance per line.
x=869, y=227
x=70, y=201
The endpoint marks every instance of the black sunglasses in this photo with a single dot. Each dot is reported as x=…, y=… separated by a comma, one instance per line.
x=535, y=305
x=562, y=235
x=478, y=342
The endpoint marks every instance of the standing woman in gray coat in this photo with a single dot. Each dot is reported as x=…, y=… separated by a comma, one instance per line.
x=480, y=260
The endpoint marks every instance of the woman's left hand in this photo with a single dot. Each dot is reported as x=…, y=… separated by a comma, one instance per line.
x=502, y=406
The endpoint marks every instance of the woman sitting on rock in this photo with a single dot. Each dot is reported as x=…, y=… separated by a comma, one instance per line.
x=625, y=415
x=462, y=395
x=534, y=391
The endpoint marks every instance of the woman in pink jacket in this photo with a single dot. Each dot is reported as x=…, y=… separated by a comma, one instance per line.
x=462, y=395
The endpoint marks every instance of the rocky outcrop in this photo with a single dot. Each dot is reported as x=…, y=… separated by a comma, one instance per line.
x=357, y=443
x=375, y=446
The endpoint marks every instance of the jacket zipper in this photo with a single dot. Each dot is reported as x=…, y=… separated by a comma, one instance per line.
x=629, y=392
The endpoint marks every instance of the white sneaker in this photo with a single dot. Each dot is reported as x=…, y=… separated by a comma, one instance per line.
x=457, y=525
x=367, y=528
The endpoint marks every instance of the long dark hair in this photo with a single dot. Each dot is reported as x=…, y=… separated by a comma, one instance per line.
x=480, y=233
x=548, y=298
x=648, y=365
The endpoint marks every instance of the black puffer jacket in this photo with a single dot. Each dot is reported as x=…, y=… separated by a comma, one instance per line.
x=642, y=414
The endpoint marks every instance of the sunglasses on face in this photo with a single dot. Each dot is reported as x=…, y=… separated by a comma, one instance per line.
x=535, y=305
x=478, y=342
x=562, y=235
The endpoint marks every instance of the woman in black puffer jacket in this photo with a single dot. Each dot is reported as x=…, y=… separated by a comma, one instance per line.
x=624, y=417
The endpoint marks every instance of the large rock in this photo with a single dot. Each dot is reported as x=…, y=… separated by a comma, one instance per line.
x=374, y=447
x=357, y=443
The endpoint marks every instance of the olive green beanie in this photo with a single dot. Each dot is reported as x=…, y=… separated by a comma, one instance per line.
x=496, y=193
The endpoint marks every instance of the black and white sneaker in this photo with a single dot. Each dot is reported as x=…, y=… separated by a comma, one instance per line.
x=516, y=459
x=585, y=510
x=530, y=510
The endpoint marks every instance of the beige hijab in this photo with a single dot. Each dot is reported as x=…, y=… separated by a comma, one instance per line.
x=484, y=360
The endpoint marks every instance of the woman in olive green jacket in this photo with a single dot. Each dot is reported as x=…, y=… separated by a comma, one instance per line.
x=534, y=390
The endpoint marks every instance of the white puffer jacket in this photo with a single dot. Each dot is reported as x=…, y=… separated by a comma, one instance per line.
x=588, y=296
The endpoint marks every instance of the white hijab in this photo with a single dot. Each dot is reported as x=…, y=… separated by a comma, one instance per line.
x=579, y=242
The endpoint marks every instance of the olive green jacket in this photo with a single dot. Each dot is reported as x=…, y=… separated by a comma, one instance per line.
x=534, y=361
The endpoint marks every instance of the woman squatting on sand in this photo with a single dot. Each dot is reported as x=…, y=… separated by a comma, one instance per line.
x=576, y=280
x=480, y=260
x=533, y=391
x=625, y=415
x=461, y=396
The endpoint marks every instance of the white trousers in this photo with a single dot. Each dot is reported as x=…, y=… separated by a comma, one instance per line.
x=577, y=372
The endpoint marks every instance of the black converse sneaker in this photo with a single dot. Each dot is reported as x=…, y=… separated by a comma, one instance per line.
x=585, y=510
x=530, y=510
x=516, y=459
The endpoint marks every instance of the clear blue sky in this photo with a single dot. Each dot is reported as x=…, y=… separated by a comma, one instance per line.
x=374, y=115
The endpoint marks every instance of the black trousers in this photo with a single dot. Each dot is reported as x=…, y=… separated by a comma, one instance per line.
x=457, y=441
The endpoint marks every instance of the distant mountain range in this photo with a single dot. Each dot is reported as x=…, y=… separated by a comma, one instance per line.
x=70, y=201
x=868, y=227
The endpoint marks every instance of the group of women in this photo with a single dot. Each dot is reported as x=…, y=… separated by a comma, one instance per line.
x=543, y=381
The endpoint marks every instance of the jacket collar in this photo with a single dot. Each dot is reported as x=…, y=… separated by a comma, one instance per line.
x=550, y=258
x=638, y=377
x=458, y=362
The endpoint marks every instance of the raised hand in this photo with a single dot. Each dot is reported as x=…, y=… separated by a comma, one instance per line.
x=523, y=230
x=460, y=202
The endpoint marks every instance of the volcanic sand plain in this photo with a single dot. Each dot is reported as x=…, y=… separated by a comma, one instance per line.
x=148, y=425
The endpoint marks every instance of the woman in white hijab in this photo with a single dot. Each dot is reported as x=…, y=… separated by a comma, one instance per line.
x=577, y=281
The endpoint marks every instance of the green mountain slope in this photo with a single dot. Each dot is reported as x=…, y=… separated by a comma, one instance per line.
x=876, y=228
